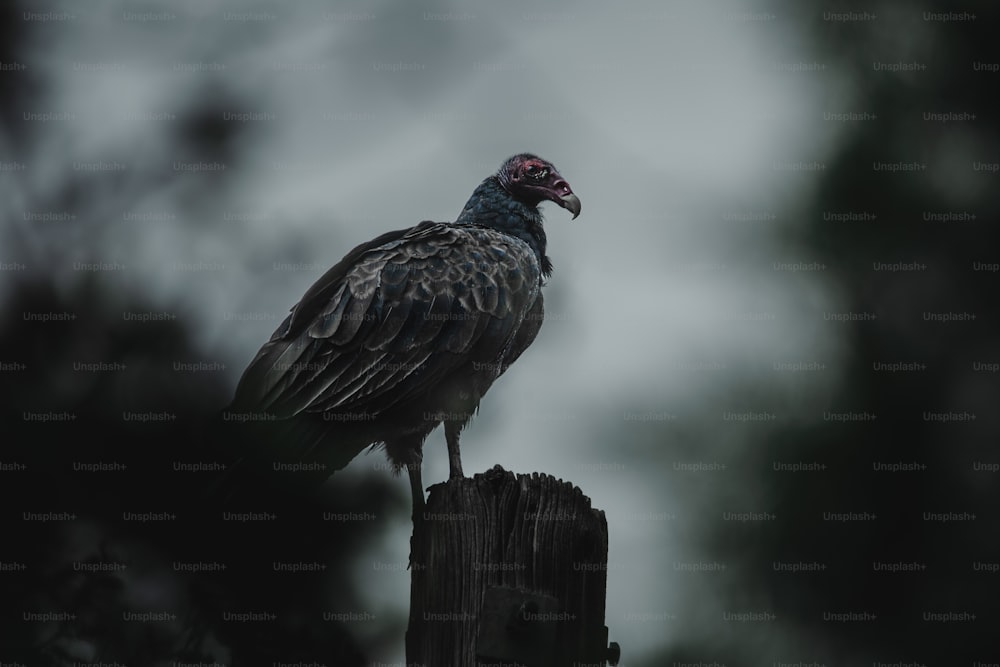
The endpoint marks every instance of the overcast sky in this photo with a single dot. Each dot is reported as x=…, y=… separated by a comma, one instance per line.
x=687, y=132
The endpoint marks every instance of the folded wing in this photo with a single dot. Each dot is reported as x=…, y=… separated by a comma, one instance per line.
x=395, y=318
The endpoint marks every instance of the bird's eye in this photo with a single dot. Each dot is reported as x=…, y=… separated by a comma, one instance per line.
x=535, y=172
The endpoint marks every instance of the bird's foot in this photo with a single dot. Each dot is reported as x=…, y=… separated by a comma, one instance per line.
x=418, y=511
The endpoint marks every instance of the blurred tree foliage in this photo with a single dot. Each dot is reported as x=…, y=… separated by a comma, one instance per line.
x=75, y=565
x=935, y=215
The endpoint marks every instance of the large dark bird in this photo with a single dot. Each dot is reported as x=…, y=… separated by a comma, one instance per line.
x=411, y=329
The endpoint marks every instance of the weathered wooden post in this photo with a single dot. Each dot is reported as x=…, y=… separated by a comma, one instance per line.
x=508, y=571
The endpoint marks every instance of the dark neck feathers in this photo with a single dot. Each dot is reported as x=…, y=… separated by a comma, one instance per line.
x=491, y=205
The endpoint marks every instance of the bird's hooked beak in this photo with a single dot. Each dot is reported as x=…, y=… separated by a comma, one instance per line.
x=564, y=197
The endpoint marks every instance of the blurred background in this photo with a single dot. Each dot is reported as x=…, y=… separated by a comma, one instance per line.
x=770, y=354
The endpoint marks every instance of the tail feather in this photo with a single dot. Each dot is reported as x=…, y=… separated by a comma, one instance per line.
x=283, y=456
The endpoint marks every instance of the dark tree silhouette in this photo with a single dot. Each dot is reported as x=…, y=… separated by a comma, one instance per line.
x=118, y=541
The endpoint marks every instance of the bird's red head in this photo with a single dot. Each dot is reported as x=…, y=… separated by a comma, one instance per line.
x=532, y=180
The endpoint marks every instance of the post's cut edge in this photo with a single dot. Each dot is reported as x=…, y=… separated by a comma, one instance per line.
x=498, y=475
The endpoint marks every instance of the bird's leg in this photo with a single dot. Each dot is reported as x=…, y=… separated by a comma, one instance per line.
x=417, y=487
x=451, y=432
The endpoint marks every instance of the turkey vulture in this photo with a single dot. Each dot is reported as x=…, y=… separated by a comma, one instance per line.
x=411, y=329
